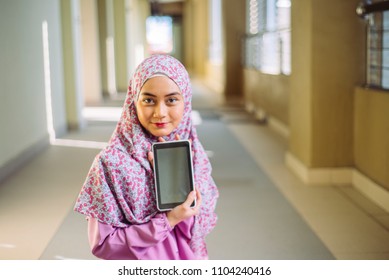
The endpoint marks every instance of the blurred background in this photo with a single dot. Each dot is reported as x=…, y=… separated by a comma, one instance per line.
x=291, y=102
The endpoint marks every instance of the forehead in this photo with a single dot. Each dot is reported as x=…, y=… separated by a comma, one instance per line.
x=160, y=84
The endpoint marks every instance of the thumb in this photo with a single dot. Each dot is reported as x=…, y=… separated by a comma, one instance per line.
x=189, y=200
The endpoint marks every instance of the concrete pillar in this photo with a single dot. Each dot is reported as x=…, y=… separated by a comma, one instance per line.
x=120, y=45
x=90, y=53
x=196, y=36
x=327, y=63
x=137, y=12
x=234, y=28
x=113, y=32
x=102, y=22
x=73, y=68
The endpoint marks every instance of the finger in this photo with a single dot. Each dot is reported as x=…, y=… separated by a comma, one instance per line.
x=160, y=139
x=189, y=200
x=198, y=194
x=177, y=137
x=198, y=198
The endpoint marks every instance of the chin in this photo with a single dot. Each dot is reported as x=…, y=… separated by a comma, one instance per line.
x=160, y=133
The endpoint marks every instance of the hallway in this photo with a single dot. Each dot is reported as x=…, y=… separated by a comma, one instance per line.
x=264, y=211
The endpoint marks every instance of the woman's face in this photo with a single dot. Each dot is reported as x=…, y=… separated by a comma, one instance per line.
x=160, y=106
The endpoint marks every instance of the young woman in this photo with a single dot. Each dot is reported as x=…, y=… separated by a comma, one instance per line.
x=118, y=195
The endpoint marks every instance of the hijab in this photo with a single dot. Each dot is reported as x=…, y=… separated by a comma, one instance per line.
x=119, y=188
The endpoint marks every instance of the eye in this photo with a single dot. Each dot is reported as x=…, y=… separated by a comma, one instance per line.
x=172, y=100
x=148, y=101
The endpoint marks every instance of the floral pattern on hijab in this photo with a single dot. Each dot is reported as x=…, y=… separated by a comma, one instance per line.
x=119, y=188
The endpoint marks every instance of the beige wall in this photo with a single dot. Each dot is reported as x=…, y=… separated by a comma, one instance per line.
x=327, y=63
x=269, y=93
x=371, y=134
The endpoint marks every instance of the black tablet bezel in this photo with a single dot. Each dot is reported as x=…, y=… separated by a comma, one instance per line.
x=171, y=145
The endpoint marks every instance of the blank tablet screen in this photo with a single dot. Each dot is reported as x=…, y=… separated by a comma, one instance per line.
x=173, y=173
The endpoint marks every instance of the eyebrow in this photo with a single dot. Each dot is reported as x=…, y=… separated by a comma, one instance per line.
x=153, y=95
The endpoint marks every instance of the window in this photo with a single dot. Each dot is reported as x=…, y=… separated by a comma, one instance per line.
x=378, y=50
x=267, y=43
x=215, y=16
x=159, y=34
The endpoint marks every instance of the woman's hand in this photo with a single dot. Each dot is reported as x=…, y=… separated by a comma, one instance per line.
x=184, y=211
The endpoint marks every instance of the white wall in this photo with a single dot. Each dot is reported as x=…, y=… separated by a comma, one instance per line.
x=23, y=122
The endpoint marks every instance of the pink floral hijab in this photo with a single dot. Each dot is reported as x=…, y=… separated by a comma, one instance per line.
x=119, y=188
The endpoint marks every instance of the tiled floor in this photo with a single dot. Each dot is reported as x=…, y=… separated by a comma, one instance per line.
x=264, y=211
x=350, y=225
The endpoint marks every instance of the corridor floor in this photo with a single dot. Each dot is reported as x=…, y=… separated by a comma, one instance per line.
x=264, y=211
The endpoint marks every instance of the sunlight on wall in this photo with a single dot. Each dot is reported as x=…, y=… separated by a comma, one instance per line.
x=79, y=144
x=7, y=245
x=102, y=113
x=111, y=66
x=49, y=107
x=46, y=65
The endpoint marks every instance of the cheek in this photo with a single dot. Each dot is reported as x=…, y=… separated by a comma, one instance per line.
x=141, y=113
x=179, y=113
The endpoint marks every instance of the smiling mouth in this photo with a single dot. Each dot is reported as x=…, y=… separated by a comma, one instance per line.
x=160, y=125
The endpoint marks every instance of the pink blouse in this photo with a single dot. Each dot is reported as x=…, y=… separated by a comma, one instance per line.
x=154, y=240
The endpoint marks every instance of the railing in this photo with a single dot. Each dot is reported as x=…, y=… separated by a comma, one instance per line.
x=268, y=52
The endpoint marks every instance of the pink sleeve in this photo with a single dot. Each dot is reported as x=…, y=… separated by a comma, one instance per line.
x=132, y=242
x=185, y=227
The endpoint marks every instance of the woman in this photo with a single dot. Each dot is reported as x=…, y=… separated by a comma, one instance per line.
x=118, y=195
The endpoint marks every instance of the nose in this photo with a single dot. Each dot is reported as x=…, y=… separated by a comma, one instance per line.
x=160, y=111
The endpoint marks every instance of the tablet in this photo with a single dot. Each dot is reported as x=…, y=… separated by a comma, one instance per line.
x=173, y=173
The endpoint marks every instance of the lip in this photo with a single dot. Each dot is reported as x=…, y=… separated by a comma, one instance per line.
x=160, y=125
